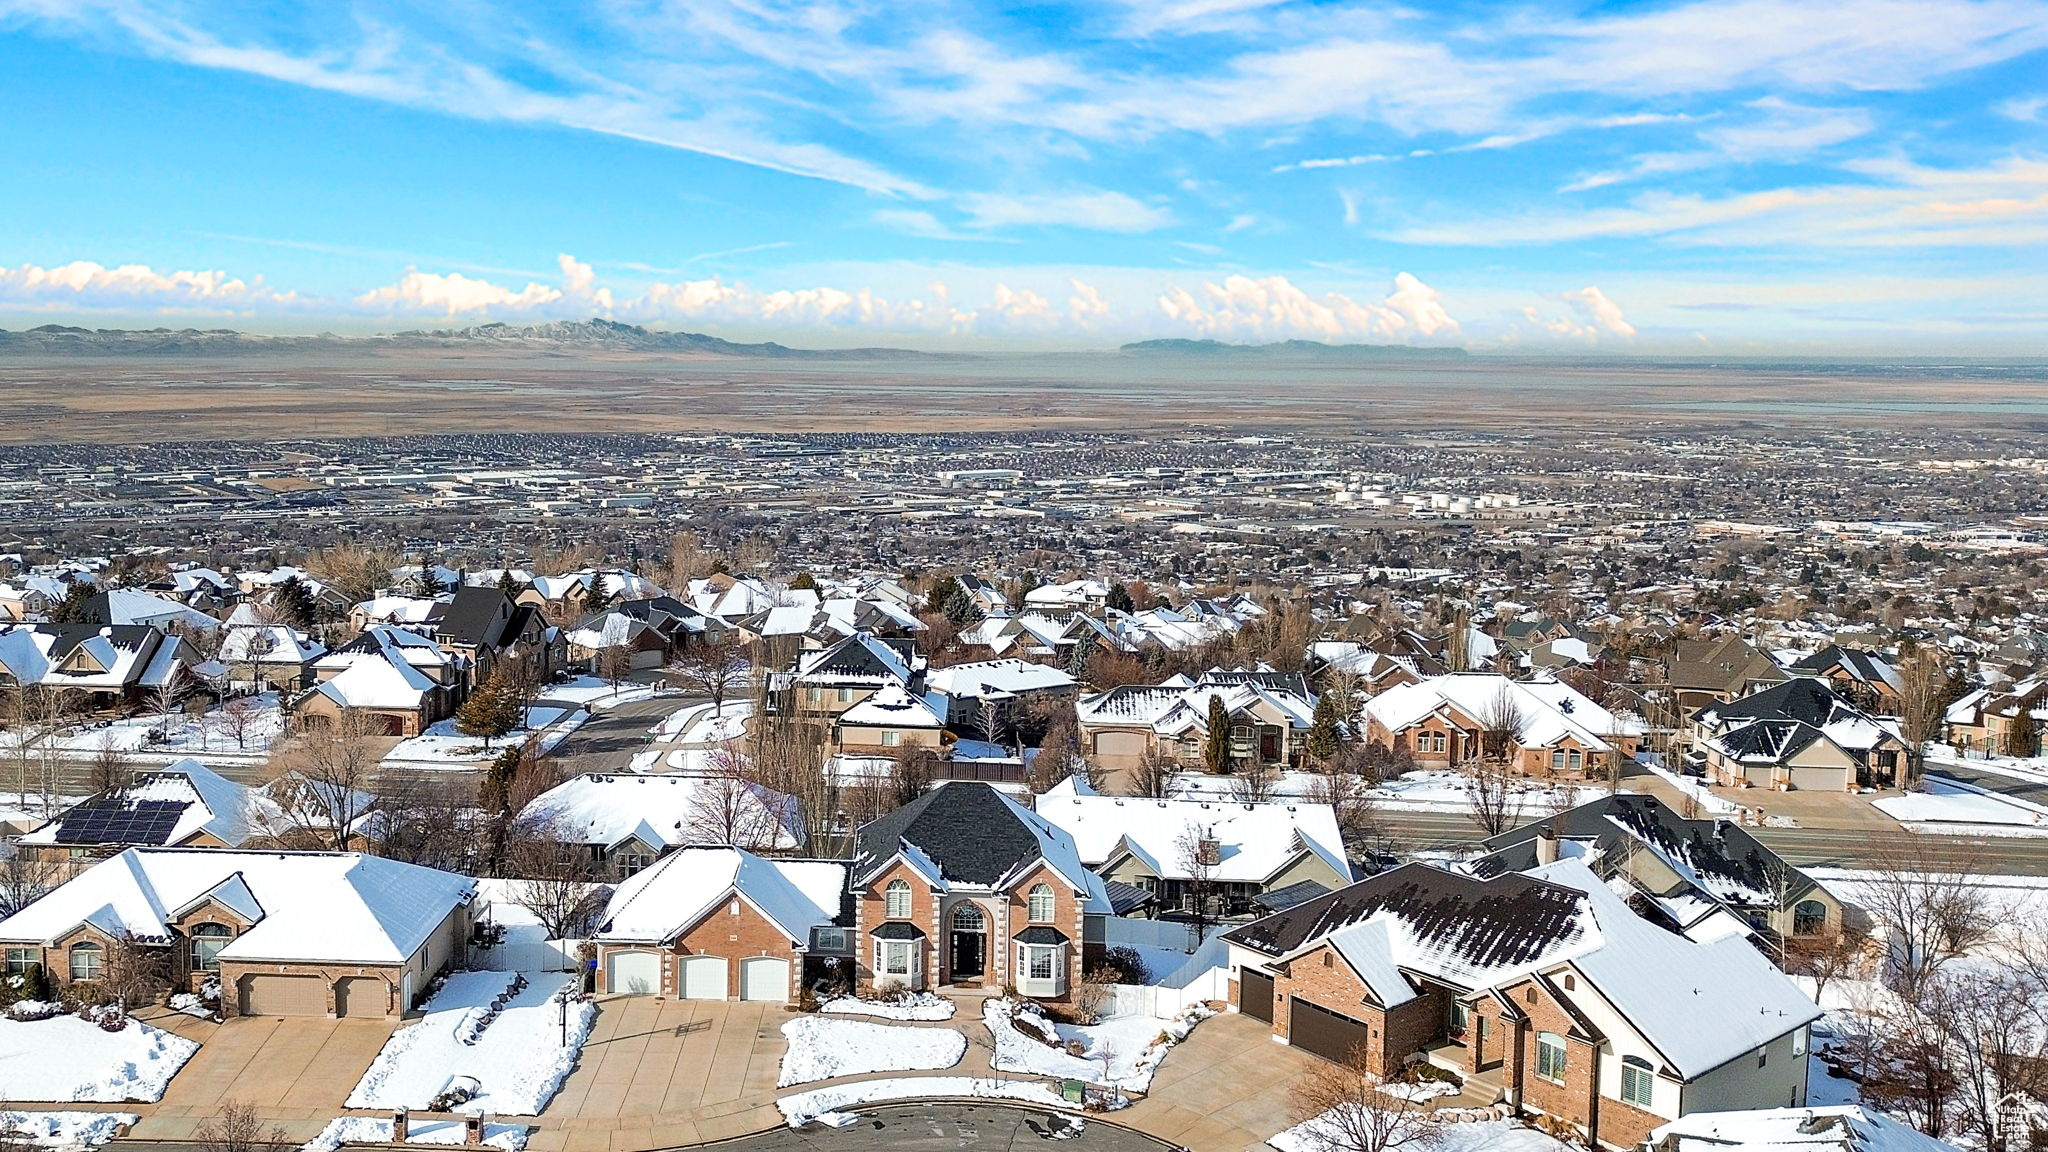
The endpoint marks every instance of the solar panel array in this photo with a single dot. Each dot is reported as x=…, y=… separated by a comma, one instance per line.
x=121, y=822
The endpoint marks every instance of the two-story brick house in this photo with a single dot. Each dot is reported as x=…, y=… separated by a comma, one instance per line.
x=964, y=886
x=1540, y=989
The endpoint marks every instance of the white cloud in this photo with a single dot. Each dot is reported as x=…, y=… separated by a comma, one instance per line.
x=2025, y=109
x=1097, y=211
x=453, y=294
x=85, y=286
x=1086, y=305
x=1603, y=314
x=1273, y=308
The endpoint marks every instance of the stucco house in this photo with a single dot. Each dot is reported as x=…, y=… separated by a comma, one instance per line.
x=1556, y=730
x=286, y=933
x=1540, y=989
x=1270, y=714
x=1801, y=734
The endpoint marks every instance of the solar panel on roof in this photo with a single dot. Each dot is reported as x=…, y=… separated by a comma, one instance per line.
x=121, y=822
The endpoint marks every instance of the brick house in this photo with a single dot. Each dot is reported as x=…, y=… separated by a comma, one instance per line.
x=1802, y=734
x=720, y=923
x=1558, y=731
x=1541, y=989
x=963, y=886
x=285, y=933
x=1270, y=715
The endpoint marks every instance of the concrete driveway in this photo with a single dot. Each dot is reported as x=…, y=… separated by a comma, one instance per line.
x=1223, y=1089
x=296, y=1070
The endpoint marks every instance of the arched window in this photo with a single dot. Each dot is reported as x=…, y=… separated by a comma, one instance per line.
x=86, y=960
x=1809, y=917
x=896, y=900
x=207, y=941
x=968, y=918
x=1040, y=903
x=1550, y=1056
x=1637, y=1080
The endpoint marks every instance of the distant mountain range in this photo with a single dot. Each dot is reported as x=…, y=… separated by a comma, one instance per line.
x=595, y=335
x=1287, y=350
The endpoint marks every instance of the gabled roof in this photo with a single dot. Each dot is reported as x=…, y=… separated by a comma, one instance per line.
x=473, y=616
x=1548, y=711
x=1859, y=665
x=164, y=807
x=320, y=907
x=970, y=834
x=661, y=902
x=1256, y=841
x=863, y=658
x=892, y=707
x=660, y=810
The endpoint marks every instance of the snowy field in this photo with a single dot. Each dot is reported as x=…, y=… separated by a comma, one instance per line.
x=67, y=1130
x=1435, y=790
x=371, y=1130
x=1121, y=1052
x=1484, y=1136
x=821, y=1049
x=184, y=735
x=1945, y=802
x=442, y=743
x=67, y=1059
x=827, y=1105
x=519, y=1059
x=919, y=1006
x=597, y=692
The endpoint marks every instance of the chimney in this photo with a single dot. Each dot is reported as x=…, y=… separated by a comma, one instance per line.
x=1546, y=847
x=1208, y=851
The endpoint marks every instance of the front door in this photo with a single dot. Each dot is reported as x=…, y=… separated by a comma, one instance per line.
x=970, y=943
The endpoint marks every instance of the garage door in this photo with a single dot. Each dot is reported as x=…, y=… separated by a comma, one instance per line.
x=764, y=979
x=1120, y=743
x=1324, y=1032
x=1255, y=995
x=283, y=996
x=703, y=977
x=633, y=973
x=361, y=996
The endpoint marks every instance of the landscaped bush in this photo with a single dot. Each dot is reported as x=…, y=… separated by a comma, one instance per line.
x=1124, y=962
x=26, y=985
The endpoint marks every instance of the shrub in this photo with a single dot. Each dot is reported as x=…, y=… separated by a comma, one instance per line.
x=1127, y=965
x=892, y=992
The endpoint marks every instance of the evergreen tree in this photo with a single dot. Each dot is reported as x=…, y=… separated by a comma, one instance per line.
x=494, y=708
x=508, y=585
x=1119, y=597
x=2023, y=736
x=804, y=580
x=1216, y=748
x=71, y=609
x=430, y=580
x=1079, y=655
x=494, y=794
x=956, y=603
x=293, y=602
x=1325, y=731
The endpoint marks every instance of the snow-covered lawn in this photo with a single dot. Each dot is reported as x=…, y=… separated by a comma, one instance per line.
x=695, y=724
x=67, y=1059
x=2033, y=769
x=825, y=1104
x=371, y=1130
x=526, y=947
x=821, y=1049
x=1947, y=803
x=1481, y=1136
x=917, y=1006
x=184, y=735
x=67, y=1129
x=598, y=692
x=443, y=743
x=1439, y=790
x=518, y=1060
x=1121, y=1052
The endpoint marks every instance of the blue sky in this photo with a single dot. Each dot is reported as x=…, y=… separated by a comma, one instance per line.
x=1717, y=176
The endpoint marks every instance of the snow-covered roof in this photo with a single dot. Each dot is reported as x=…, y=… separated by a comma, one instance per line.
x=133, y=606
x=1178, y=703
x=997, y=678
x=892, y=707
x=376, y=682
x=211, y=803
x=1548, y=711
x=1255, y=840
x=322, y=907
x=1834, y=1128
x=266, y=644
x=666, y=899
x=660, y=810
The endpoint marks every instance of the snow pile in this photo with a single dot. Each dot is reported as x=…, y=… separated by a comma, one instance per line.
x=65, y=1058
x=1482, y=1136
x=821, y=1049
x=819, y=1103
x=916, y=1006
x=1122, y=1052
x=520, y=1059
x=67, y=1129
x=372, y=1130
x=1418, y=1090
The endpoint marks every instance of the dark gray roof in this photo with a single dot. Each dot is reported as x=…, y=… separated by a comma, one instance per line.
x=1804, y=699
x=1508, y=919
x=1124, y=898
x=471, y=617
x=1301, y=891
x=898, y=930
x=966, y=828
x=1040, y=934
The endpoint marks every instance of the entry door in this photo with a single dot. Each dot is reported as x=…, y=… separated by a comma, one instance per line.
x=970, y=955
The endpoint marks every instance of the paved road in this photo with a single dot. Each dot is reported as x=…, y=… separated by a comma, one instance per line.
x=948, y=1126
x=2029, y=790
x=608, y=741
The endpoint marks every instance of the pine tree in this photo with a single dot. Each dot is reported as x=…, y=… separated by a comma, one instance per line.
x=508, y=585
x=1325, y=730
x=494, y=708
x=2022, y=736
x=1216, y=748
x=71, y=610
x=293, y=602
x=1079, y=655
x=1119, y=597
x=804, y=580
x=430, y=580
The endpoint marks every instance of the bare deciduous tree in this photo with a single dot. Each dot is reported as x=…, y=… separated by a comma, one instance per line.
x=325, y=786
x=238, y=1128
x=1499, y=800
x=1927, y=898
x=25, y=878
x=713, y=667
x=1198, y=856
x=728, y=808
x=556, y=881
x=1153, y=775
x=1344, y=1109
x=109, y=767
x=1254, y=783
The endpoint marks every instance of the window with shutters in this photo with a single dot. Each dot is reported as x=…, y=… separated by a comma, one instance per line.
x=1637, y=1081
x=896, y=900
x=1550, y=1056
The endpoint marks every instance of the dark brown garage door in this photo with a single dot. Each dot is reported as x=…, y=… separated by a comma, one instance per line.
x=1255, y=994
x=1324, y=1032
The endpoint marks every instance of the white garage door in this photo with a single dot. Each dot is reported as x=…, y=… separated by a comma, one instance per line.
x=703, y=977
x=763, y=978
x=633, y=973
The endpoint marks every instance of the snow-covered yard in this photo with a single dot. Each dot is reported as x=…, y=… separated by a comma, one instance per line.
x=519, y=1058
x=821, y=1049
x=696, y=724
x=1945, y=802
x=827, y=1104
x=443, y=743
x=917, y=1006
x=256, y=717
x=1482, y=1136
x=372, y=1130
x=65, y=1059
x=597, y=692
x=1121, y=1052
x=1439, y=790
x=67, y=1130
x=525, y=947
